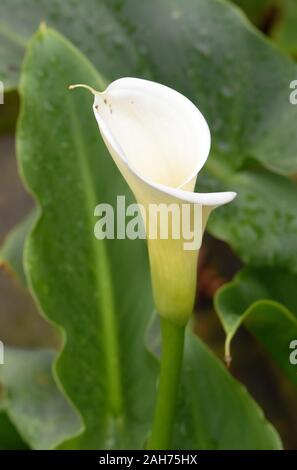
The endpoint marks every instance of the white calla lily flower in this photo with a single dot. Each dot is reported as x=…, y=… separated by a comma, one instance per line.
x=160, y=141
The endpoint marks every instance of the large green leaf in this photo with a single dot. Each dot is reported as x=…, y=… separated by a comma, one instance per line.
x=238, y=79
x=89, y=24
x=261, y=224
x=9, y=437
x=98, y=292
x=212, y=404
x=219, y=61
x=265, y=301
x=33, y=402
x=214, y=407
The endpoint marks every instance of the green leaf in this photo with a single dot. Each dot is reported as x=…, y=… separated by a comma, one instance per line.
x=265, y=301
x=238, y=79
x=89, y=25
x=216, y=406
x=261, y=224
x=97, y=291
x=32, y=400
x=234, y=88
x=212, y=404
x=11, y=253
x=9, y=437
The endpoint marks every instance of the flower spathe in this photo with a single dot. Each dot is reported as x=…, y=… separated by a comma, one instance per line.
x=160, y=141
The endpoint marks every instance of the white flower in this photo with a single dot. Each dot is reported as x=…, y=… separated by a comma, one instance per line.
x=160, y=141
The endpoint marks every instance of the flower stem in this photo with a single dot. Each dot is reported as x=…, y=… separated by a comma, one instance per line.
x=169, y=380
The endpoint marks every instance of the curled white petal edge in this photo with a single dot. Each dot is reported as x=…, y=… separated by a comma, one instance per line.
x=206, y=199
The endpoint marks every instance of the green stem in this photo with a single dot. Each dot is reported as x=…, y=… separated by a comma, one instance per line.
x=171, y=363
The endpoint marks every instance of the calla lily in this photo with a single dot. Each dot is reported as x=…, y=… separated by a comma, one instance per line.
x=160, y=141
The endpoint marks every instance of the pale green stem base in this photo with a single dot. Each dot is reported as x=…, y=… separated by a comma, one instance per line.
x=169, y=380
